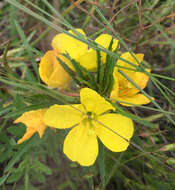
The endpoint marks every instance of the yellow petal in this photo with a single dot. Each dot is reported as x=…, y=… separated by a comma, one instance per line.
x=34, y=123
x=93, y=102
x=104, y=40
x=52, y=73
x=138, y=99
x=127, y=67
x=128, y=57
x=115, y=90
x=66, y=44
x=29, y=132
x=122, y=125
x=141, y=79
x=126, y=88
x=81, y=145
x=88, y=60
x=63, y=116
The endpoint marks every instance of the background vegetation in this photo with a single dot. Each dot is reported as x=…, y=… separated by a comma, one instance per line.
x=26, y=30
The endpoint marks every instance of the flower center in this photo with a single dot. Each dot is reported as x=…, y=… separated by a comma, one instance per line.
x=88, y=120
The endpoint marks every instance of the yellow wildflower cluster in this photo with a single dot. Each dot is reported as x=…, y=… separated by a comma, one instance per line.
x=94, y=116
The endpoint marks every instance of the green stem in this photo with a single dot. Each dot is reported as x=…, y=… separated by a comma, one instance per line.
x=101, y=163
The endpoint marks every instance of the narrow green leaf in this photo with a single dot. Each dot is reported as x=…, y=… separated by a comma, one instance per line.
x=83, y=75
x=99, y=72
x=22, y=36
x=14, y=177
x=26, y=178
x=101, y=163
x=3, y=178
x=17, y=156
x=6, y=109
x=91, y=183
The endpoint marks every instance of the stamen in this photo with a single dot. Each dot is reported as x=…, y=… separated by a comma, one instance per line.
x=89, y=114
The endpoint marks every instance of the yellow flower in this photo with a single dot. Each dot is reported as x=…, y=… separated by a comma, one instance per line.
x=51, y=72
x=79, y=50
x=123, y=90
x=90, y=120
x=67, y=44
x=34, y=123
x=64, y=43
x=89, y=58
